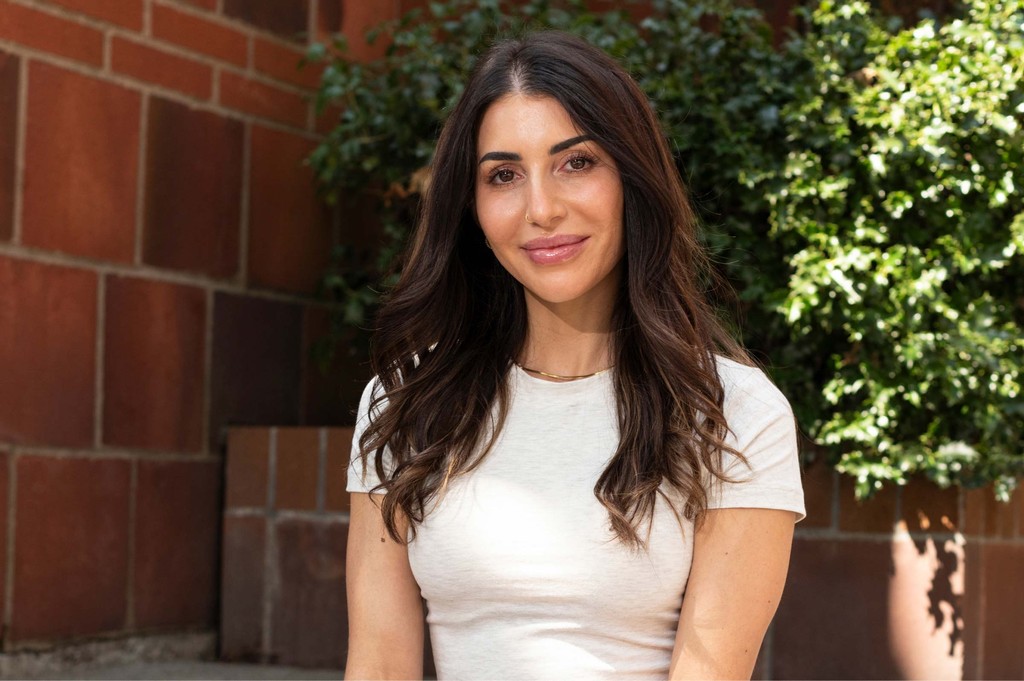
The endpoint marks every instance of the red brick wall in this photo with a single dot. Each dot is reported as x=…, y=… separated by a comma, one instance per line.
x=160, y=243
x=918, y=583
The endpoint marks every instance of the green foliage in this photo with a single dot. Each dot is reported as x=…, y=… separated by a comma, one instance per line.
x=902, y=219
x=859, y=187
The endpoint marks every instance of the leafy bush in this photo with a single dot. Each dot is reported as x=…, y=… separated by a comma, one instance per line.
x=900, y=210
x=859, y=187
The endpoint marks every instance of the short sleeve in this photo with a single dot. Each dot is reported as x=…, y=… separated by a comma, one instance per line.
x=358, y=479
x=763, y=429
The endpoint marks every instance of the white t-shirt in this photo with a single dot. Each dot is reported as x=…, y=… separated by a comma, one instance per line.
x=523, y=577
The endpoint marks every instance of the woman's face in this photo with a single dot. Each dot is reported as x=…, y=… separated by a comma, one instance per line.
x=549, y=201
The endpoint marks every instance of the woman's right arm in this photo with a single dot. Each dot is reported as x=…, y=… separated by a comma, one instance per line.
x=385, y=611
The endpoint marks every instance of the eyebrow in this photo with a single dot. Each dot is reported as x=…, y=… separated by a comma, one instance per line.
x=512, y=156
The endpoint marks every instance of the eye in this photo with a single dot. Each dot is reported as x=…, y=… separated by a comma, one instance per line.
x=580, y=162
x=502, y=176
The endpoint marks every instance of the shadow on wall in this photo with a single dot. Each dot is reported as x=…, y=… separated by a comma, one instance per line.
x=926, y=619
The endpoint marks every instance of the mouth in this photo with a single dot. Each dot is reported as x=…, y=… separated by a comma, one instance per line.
x=550, y=250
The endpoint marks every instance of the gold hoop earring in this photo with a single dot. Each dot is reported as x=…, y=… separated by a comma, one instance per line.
x=487, y=243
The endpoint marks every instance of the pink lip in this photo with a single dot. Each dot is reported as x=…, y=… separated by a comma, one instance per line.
x=551, y=250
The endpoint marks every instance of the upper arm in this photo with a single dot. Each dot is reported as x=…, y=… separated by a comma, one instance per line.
x=740, y=561
x=385, y=611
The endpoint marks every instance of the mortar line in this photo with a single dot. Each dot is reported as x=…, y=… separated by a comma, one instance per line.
x=104, y=74
x=311, y=24
x=834, y=525
x=129, y=601
x=98, y=360
x=107, y=60
x=242, y=276
x=206, y=426
x=12, y=494
x=321, y=472
x=982, y=606
x=269, y=551
x=140, y=179
x=215, y=84
x=250, y=54
x=311, y=37
x=116, y=454
x=42, y=256
x=898, y=507
x=20, y=134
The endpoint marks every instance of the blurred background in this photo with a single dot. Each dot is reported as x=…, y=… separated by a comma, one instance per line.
x=200, y=201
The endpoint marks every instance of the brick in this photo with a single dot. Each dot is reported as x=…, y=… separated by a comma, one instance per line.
x=357, y=17
x=49, y=33
x=328, y=19
x=71, y=562
x=127, y=13
x=818, y=478
x=928, y=508
x=248, y=465
x=332, y=392
x=153, y=365
x=298, y=468
x=9, y=76
x=282, y=62
x=289, y=231
x=307, y=630
x=1020, y=514
x=985, y=516
x=210, y=5
x=1003, y=626
x=288, y=19
x=241, y=604
x=256, y=345
x=158, y=67
x=47, y=354
x=193, y=190
x=828, y=578
x=339, y=449
x=200, y=35
x=260, y=99
x=177, y=537
x=877, y=514
x=93, y=213
x=327, y=120
x=973, y=610
x=925, y=608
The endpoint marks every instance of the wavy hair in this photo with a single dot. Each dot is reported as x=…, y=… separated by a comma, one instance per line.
x=447, y=334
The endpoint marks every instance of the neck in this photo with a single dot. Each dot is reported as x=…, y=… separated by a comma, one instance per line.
x=567, y=339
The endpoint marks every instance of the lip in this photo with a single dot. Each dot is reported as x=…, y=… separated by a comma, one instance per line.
x=551, y=250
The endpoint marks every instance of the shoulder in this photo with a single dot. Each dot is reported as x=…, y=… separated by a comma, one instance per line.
x=752, y=402
x=372, y=400
x=749, y=388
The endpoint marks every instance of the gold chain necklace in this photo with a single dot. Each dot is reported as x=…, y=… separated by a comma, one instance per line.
x=559, y=376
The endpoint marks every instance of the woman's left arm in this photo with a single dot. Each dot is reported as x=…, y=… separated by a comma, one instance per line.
x=740, y=561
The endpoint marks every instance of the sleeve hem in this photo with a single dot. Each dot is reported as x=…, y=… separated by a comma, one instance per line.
x=777, y=499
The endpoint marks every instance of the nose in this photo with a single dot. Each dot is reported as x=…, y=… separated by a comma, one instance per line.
x=544, y=205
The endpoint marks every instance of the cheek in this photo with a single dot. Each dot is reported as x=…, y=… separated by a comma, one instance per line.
x=496, y=215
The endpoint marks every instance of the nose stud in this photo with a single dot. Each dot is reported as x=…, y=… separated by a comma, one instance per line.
x=528, y=220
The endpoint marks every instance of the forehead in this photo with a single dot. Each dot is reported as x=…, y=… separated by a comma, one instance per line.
x=518, y=121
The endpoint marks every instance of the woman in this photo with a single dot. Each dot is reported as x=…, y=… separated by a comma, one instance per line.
x=562, y=439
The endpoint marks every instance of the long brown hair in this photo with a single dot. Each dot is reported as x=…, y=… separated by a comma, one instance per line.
x=448, y=332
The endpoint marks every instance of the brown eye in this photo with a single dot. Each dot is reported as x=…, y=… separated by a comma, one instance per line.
x=579, y=163
x=504, y=176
